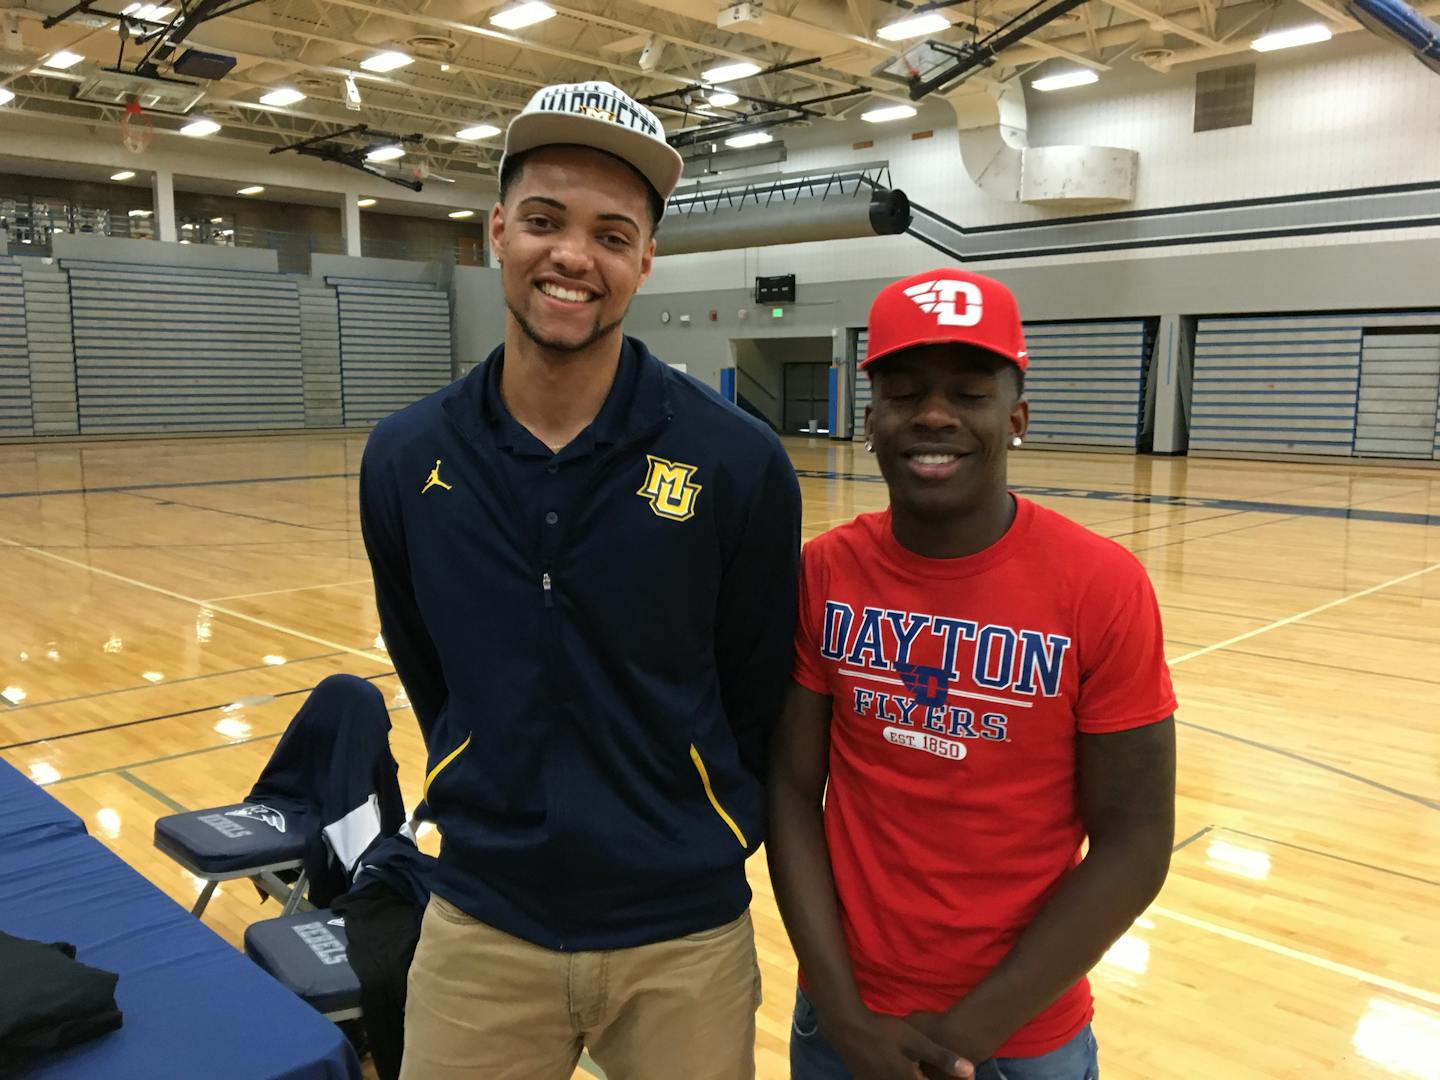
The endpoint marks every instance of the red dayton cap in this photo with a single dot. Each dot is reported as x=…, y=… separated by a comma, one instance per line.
x=941, y=306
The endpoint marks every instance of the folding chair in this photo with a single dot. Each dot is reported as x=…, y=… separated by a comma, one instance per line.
x=328, y=790
x=242, y=840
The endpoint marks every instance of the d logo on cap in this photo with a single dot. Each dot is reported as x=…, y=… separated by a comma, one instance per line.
x=939, y=298
x=944, y=306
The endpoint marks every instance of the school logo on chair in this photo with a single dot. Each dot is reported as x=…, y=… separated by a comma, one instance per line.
x=669, y=489
x=259, y=812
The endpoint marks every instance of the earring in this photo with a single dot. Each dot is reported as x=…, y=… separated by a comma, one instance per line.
x=869, y=447
x=1016, y=442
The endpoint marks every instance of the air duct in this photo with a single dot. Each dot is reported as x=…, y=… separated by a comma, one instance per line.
x=1401, y=23
x=995, y=149
x=880, y=212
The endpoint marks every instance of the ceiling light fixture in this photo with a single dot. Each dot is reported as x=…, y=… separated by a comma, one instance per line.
x=386, y=153
x=721, y=98
x=888, y=112
x=386, y=61
x=363, y=203
x=479, y=131
x=126, y=175
x=1066, y=80
x=148, y=12
x=519, y=16
x=199, y=127
x=1309, y=34
x=63, y=60
x=914, y=26
x=460, y=215
x=253, y=189
x=753, y=138
x=282, y=96
x=730, y=72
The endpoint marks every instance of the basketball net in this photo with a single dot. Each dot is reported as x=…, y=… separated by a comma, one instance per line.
x=136, y=129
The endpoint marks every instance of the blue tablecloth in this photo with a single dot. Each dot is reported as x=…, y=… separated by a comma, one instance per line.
x=194, y=1006
x=28, y=815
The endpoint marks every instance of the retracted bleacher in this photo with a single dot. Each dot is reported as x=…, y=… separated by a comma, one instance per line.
x=162, y=348
x=394, y=344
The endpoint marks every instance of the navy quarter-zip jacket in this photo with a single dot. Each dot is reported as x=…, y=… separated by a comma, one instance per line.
x=596, y=705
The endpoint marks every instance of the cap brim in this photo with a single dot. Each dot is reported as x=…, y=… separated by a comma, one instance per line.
x=951, y=340
x=657, y=161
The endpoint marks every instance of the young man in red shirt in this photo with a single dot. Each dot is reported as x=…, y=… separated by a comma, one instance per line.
x=982, y=684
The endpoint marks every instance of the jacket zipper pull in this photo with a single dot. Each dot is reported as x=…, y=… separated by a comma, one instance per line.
x=545, y=584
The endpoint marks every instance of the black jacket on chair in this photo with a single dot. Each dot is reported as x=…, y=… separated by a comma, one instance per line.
x=332, y=776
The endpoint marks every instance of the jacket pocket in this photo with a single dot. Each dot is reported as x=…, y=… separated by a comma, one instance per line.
x=710, y=794
x=441, y=765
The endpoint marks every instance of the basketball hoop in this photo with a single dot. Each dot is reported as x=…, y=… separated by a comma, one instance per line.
x=136, y=129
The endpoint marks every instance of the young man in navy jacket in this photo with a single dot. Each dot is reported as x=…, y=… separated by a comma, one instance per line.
x=585, y=566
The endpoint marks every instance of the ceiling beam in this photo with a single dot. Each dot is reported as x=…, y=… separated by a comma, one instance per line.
x=1339, y=18
x=863, y=22
x=1157, y=21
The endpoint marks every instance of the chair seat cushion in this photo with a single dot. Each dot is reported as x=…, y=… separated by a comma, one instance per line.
x=229, y=838
x=307, y=954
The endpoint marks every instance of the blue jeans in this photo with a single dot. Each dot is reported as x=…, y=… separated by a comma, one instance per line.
x=813, y=1058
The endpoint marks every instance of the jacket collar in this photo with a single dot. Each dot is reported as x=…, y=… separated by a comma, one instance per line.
x=472, y=402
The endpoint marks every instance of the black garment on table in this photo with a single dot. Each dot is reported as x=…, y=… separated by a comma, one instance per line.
x=333, y=778
x=49, y=1001
x=383, y=928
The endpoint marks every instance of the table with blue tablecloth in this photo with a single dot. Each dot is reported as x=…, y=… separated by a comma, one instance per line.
x=194, y=1006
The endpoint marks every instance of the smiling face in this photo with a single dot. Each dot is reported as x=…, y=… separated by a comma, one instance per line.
x=574, y=242
x=941, y=422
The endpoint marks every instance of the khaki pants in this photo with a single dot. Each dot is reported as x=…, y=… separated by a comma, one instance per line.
x=487, y=1006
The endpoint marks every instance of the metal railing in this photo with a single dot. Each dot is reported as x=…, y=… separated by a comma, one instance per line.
x=788, y=187
x=32, y=222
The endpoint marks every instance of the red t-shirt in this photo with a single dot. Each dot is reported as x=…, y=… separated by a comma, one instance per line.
x=960, y=687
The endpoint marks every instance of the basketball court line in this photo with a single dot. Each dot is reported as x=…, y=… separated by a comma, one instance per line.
x=13, y=709
x=1212, y=536
x=1197, y=835
x=1334, y=667
x=1167, y=525
x=151, y=790
x=237, y=545
x=1388, y=634
x=112, y=769
x=297, y=588
x=162, y=716
x=1380, y=982
x=177, y=485
x=215, y=609
x=1329, y=855
x=1206, y=650
x=1379, y=785
x=1278, y=623
x=1345, y=513
x=157, y=501
x=1286, y=951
